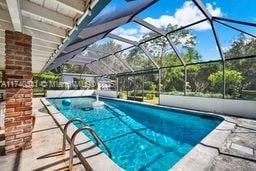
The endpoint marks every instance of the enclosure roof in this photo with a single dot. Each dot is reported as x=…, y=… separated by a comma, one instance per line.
x=131, y=36
x=104, y=23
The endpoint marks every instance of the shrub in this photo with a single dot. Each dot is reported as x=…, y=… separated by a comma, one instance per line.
x=121, y=95
x=152, y=91
x=150, y=96
x=233, y=81
x=148, y=85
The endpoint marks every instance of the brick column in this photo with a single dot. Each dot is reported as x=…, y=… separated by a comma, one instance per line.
x=18, y=69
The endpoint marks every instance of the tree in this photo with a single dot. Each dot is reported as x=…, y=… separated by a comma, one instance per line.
x=197, y=77
x=81, y=82
x=173, y=79
x=160, y=49
x=46, y=76
x=45, y=80
x=109, y=47
x=233, y=80
x=243, y=46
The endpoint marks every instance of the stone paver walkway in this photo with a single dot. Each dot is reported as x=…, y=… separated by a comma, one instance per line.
x=229, y=158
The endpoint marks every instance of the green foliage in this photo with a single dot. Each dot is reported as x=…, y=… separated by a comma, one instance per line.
x=191, y=55
x=68, y=68
x=46, y=76
x=121, y=95
x=160, y=50
x=81, y=82
x=197, y=77
x=46, y=80
x=149, y=96
x=202, y=80
x=152, y=91
x=148, y=85
x=233, y=81
x=173, y=79
x=243, y=46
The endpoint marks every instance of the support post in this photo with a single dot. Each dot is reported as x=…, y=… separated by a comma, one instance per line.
x=117, y=86
x=134, y=83
x=127, y=81
x=185, y=80
x=159, y=84
x=142, y=87
x=19, y=120
x=223, y=79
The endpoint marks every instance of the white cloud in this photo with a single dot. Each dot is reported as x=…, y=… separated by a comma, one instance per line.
x=131, y=34
x=185, y=15
x=121, y=30
x=163, y=21
x=130, y=37
x=214, y=12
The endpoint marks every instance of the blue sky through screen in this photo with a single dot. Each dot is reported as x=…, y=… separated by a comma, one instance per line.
x=184, y=12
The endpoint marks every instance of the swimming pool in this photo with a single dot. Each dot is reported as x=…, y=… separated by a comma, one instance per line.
x=139, y=136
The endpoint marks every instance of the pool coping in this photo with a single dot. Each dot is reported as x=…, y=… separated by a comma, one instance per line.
x=201, y=155
x=95, y=159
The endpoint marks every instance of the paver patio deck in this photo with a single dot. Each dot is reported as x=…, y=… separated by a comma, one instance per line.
x=46, y=147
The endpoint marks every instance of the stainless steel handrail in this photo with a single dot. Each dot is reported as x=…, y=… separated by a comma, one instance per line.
x=72, y=144
x=65, y=131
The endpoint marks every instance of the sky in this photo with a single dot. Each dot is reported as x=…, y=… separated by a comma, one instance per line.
x=184, y=12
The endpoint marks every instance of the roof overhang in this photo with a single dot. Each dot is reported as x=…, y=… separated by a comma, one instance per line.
x=98, y=29
x=52, y=25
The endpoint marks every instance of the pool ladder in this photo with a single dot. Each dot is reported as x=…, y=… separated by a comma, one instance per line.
x=73, y=137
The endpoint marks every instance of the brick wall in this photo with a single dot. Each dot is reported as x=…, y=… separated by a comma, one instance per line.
x=18, y=72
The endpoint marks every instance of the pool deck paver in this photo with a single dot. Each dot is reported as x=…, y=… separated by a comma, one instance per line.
x=232, y=159
x=242, y=148
x=46, y=146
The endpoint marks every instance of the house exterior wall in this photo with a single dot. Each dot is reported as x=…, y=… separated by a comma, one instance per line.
x=70, y=78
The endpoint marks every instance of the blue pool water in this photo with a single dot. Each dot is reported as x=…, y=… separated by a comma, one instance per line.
x=141, y=137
